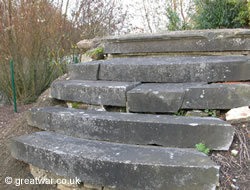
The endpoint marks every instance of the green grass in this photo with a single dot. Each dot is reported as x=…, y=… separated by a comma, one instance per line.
x=75, y=105
x=180, y=113
x=210, y=112
x=95, y=51
x=202, y=148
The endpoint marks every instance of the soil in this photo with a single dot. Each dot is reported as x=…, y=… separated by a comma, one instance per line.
x=234, y=171
x=14, y=124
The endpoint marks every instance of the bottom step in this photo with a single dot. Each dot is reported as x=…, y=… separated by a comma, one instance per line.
x=121, y=166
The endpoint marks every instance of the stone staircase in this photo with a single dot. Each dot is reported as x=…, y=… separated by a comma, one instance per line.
x=147, y=148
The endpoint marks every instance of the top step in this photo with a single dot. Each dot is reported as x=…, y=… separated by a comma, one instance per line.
x=180, y=41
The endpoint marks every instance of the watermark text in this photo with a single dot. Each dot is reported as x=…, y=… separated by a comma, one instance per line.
x=41, y=181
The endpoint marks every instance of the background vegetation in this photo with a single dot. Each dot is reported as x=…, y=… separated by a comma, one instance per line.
x=208, y=14
x=222, y=13
x=40, y=36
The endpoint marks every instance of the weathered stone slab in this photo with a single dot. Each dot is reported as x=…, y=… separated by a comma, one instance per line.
x=169, y=98
x=145, y=129
x=92, y=92
x=217, y=96
x=158, y=98
x=4, y=101
x=176, y=69
x=180, y=41
x=117, y=165
x=84, y=71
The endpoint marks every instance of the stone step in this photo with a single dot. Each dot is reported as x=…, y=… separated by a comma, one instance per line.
x=145, y=129
x=180, y=41
x=84, y=71
x=92, y=92
x=169, y=98
x=176, y=69
x=165, y=69
x=116, y=165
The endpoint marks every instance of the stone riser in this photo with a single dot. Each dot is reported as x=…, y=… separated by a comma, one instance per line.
x=182, y=41
x=198, y=45
x=119, y=166
x=71, y=184
x=154, y=98
x=165, y=69
x=144, y=129
x=171, y=54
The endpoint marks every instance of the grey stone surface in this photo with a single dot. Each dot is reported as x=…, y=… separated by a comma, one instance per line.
x=180, y=41
x=4, y=101
x=176, y=69
x=145, y=129
x=92, y=92
x=117, y=165
x=169, y=98
x=217, y=96
x=158, y=98
x=84, y=71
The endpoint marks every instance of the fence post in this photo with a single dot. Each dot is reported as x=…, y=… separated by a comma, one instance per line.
x=13, y=85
